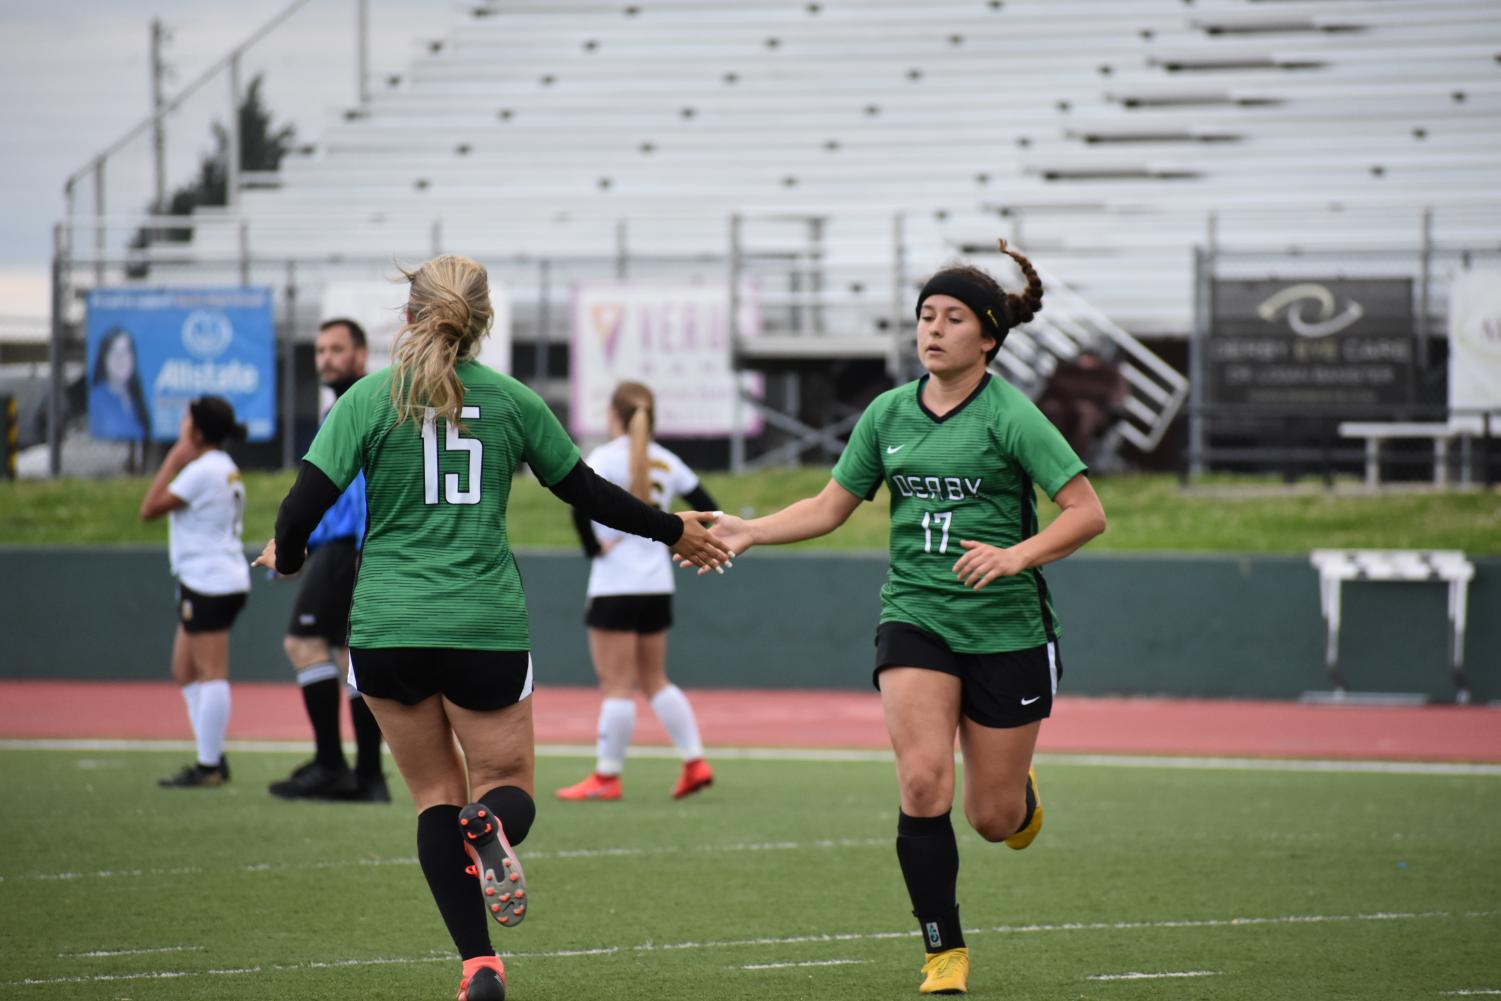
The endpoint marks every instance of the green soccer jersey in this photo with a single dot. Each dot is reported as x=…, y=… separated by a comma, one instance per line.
x=965, y=475
x=437, y=568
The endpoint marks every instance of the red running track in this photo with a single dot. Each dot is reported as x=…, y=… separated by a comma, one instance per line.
x=745, y=718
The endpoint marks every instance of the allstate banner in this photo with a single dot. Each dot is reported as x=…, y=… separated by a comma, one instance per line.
x=1475, y=348
x=152, y=351
x=676, y=340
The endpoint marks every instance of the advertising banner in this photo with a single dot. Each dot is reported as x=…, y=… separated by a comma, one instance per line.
x=1475, y=347
x=151, y=351
x=1296, y=344
x=676, y=340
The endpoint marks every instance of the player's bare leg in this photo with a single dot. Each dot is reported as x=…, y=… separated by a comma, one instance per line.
x=674, y=711
x=614, y=654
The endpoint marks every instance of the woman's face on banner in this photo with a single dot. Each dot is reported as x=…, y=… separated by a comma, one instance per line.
x=120, y=360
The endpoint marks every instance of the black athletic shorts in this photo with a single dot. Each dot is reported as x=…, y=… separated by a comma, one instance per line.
x=472, y=679
x=1000, y=690
x=629, y=613
x=207, y=613
x=322, y=606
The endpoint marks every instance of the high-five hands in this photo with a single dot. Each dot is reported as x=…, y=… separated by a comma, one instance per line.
x=983, y=563
x=699, y=546
x=728, y=532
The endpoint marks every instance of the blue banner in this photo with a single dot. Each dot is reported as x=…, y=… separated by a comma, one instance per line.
x=152, y=351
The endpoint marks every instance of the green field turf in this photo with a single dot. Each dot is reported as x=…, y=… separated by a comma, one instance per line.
x=1147, y=513
x=780, y=882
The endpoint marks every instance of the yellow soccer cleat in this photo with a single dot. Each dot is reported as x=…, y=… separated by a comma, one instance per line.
x=947, y=972
x=1028, y=834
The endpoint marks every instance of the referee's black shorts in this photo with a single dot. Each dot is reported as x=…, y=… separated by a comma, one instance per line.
x=629, y=613
x=322, y=606
x=1001, y=690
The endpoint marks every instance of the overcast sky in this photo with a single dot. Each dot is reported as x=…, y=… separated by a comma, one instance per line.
x=76, y=77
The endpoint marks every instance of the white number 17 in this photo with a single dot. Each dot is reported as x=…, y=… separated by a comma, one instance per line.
x=934, y=520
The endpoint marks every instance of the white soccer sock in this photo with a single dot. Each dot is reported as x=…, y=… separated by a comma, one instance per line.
x=191, y=695
x=617, y=720
x=672, y=708
x=213, y=720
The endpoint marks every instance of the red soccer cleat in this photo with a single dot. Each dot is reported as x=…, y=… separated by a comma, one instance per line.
x=595, y=786
x=696, y=775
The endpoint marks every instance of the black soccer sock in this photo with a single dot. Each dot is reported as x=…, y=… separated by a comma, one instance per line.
x=929, y=856
x=322, y=701
x=515, y=808
x=440, y=850
x=366, y=738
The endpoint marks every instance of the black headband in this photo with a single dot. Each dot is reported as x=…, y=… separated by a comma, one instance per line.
x=989, y=307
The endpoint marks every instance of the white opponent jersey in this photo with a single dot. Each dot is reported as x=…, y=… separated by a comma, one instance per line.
x=207, y=553
x=635, y=565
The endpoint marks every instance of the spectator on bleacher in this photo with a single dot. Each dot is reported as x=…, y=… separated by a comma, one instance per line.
x=630, y=601
x=966, y=645
x=1083, y=398
x=438, y=630
x=117, y=407
x=200, y=491
x=316, y=637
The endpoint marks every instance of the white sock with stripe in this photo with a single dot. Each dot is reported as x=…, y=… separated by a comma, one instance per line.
x=672, y=708
x=617, y=721
x=213, y=720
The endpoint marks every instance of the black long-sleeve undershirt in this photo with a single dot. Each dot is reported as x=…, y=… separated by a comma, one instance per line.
x=697, y=499
x=592, y=496
x=300, y=511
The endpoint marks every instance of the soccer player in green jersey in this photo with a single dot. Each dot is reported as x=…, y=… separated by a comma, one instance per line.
x=438, y=638
x=968, y=640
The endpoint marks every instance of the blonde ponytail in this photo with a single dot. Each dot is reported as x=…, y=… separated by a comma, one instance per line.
x=633, y=403
x=639, y=428
x=448, y=315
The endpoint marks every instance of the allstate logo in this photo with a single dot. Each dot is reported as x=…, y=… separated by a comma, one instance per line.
x=206, y=333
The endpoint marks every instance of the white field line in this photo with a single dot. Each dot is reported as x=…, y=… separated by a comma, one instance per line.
x=105, y=953
x=846, y=755
x=1472, y=992
x=812, y=962
x=779, y=941
x=1153, y=976
x=566, y=853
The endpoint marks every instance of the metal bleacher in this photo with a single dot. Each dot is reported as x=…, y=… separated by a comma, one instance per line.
x=1105, y=139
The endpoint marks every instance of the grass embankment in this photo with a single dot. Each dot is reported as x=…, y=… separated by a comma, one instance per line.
x=1147, y=513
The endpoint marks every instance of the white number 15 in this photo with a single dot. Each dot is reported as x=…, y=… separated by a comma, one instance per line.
x=452, y=443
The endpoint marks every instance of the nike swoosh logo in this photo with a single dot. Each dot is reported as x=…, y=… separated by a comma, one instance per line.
x=893, y=449
x=1028, y=702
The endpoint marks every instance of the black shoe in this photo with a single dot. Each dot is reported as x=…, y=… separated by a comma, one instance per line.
x=315, y=781
x=197, y=776
x=370, y=789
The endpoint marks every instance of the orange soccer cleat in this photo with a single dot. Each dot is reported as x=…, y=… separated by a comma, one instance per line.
x=696, y=775
x=595, y=786
x=484, y=980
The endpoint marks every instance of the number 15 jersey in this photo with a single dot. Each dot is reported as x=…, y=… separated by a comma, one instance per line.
x=966, y=475
x=437, y=568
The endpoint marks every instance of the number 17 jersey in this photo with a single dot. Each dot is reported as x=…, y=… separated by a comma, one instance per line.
x=966, y=475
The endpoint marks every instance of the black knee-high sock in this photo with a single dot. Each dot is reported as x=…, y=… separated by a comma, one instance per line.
x=440, y=850
x=366, y=738
x=322, y=701
x=929, y=856
x=515, y=809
